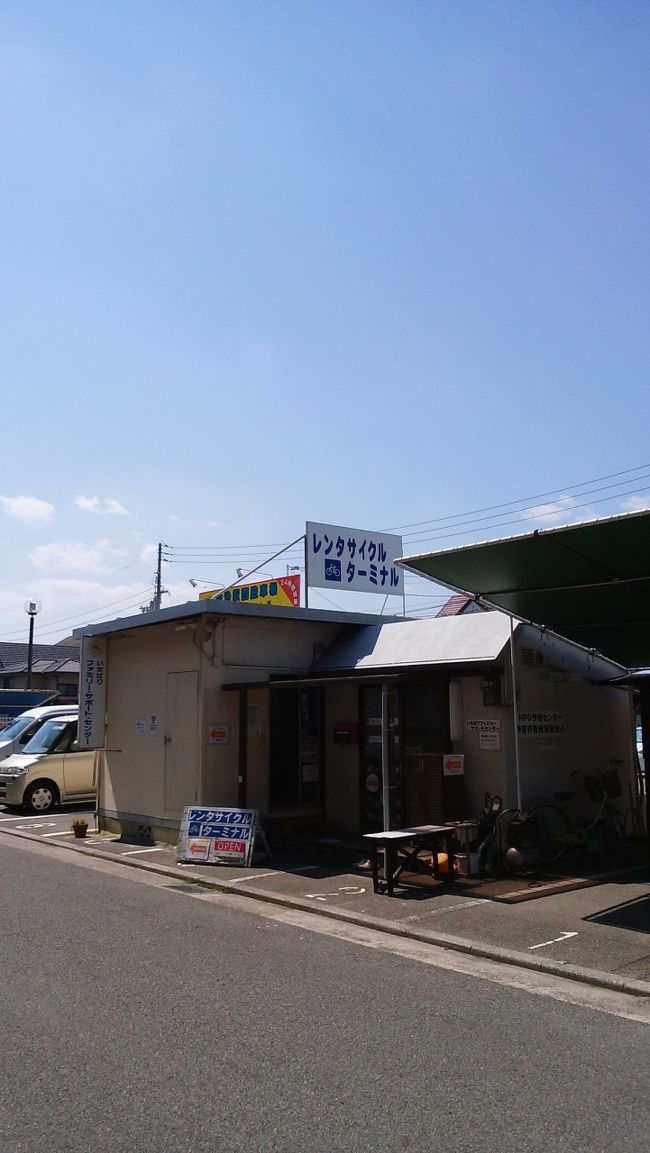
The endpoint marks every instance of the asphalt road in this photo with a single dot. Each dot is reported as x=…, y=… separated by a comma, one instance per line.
x=138, y=1014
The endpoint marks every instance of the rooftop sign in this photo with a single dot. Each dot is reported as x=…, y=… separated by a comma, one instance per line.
x=277, y=591
x=353, y=559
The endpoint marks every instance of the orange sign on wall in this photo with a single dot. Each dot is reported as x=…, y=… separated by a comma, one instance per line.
x=276, y=591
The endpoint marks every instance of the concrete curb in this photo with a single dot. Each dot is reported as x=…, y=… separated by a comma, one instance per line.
x=396, y=929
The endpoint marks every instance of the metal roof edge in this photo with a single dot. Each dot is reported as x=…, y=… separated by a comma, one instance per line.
x=192, y=609
x=356, y=675
x=616, y=517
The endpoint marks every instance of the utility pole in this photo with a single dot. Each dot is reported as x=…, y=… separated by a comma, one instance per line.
x=158, y=590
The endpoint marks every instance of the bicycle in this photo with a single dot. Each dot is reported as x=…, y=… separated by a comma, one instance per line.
x=511, y=845
x=556, y=828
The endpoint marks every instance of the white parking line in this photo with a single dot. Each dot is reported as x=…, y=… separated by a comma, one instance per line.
x=562, y=937
x=255, y=876
x=133, y=852
x=274, y=873
x=13, y=818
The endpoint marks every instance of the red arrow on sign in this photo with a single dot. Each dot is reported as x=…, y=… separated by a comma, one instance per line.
x=197, y=848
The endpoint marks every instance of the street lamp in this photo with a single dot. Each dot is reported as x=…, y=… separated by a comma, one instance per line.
x=32, y=608
x=241, y=573
x=194, y=581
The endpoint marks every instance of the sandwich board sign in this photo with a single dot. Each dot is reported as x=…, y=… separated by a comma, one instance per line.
x=219, y=836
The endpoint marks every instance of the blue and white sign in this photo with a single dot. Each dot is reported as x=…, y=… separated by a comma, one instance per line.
x=218, y=836
x=353, y=559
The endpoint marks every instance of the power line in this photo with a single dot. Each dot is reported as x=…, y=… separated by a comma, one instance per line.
x=525, y=500
x=522, y=521
x=52, y=626
x=200, y=554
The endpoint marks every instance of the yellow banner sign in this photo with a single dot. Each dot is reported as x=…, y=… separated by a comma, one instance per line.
x=276, y=591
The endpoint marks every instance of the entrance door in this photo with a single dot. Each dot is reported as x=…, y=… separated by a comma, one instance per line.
x=370, y=749
x=181, y=767
x=296, y=739
x=417, y=739
x=424, y=732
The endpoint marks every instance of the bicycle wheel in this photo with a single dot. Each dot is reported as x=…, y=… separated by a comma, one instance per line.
x=496, y=843
x=633, y=824
x=551, y=829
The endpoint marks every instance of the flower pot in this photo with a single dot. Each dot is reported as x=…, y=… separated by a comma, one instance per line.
x=80, y=830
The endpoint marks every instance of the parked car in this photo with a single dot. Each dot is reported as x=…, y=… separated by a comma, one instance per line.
x=50, y=770
x=22, y=728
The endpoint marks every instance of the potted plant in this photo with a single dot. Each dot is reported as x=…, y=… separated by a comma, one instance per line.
x=79, y=826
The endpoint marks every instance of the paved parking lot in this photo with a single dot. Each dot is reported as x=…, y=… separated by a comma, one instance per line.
x=604, y=927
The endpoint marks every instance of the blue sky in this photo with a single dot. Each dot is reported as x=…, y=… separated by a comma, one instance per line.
x=365, y=263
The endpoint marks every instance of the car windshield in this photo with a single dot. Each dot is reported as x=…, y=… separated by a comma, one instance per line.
x=15, y=728
x=50, y=735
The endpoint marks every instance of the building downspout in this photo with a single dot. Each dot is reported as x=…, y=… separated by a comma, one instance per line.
x=385, y=755
x=243, y=748
x=513, y=676
x=645, y=736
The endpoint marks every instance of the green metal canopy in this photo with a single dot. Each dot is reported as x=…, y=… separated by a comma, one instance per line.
x=590, y=582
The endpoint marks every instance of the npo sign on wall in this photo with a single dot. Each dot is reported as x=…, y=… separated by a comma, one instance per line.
x=92, y=692
x=353, y=559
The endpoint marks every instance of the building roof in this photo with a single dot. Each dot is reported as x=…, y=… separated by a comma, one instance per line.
x=215, y=608
x=16, y=654
x=461, y=603
x=42, y=667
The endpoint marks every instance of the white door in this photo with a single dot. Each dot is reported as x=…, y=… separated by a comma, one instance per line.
x=181, y=742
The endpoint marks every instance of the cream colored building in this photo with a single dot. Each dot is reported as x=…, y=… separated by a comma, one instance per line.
x=281, y=710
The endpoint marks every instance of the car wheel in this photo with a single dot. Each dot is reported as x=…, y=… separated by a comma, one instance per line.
x=40, y=797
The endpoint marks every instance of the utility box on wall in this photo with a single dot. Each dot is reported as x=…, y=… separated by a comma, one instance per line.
x=491, y=690
x=345, y=733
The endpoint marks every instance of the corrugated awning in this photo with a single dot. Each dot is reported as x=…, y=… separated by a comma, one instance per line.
x=589, y=582
x=463, y=640
x=460, y=646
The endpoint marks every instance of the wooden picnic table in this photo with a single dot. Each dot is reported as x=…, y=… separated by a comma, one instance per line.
x=402, y=847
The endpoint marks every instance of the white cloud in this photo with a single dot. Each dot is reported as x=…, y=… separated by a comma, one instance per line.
x=149, y=554
x=75, y=556
x=113, y=507
x=28, y=509
x=553, y=512
x=635, y=503
x=102, y=506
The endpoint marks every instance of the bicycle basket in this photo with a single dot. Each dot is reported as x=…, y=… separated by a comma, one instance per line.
x=603, y=785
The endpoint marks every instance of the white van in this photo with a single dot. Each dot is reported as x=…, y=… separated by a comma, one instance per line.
x=22, y=728
x=51, y=769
